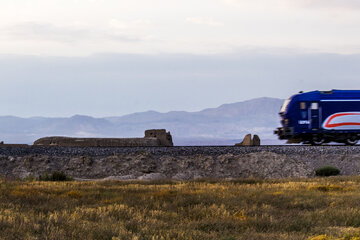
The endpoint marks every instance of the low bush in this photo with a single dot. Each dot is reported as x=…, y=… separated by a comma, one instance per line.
x=55, y=176
x=326, y=171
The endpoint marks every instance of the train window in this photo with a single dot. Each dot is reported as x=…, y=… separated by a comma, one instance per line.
x=314, y=106
x=302, y=105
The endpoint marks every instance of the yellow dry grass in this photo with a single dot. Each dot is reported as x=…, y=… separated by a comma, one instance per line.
x=317, y=209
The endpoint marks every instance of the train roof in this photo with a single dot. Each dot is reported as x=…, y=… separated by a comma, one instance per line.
x=328, y=95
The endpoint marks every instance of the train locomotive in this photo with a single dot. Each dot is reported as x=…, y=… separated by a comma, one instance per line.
x=319, y=117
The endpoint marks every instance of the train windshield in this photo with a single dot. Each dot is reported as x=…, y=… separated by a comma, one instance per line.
x=285, y=105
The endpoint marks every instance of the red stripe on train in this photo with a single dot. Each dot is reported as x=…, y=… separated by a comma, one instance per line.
x=328, y=125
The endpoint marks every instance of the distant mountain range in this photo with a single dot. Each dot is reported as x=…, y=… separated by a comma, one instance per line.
x=224, y=125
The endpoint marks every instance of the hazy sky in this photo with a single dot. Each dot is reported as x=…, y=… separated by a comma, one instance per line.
x=83, y=27
x=111, y=57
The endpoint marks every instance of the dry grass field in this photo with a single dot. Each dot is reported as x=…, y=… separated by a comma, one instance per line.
x=318, y=209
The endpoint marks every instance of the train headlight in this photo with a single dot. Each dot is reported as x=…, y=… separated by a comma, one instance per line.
x=286, y=121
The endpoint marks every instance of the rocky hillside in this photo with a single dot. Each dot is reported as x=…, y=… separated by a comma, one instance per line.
x=178, y=163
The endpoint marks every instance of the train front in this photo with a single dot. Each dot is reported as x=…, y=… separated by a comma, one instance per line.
x=287, y=130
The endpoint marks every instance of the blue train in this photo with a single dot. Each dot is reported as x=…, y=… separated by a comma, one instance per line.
x=319, y=117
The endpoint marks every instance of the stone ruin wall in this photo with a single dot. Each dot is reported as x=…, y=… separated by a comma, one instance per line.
x=164, y=137
x=153, y=138
x=97, y=142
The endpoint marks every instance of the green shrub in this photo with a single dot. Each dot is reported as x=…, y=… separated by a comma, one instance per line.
x=55, y=176
x=326, y=171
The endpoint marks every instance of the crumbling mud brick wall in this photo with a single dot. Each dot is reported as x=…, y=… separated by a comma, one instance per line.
x=161, y=134
x=153, y=138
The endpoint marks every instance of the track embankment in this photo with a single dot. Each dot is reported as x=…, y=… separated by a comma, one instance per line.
x=178, y=163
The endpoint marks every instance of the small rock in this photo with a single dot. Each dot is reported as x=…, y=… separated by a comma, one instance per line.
x=182, y=176
x=246, y=142
x=256, y=140
x=152, y=176
x=114, y=178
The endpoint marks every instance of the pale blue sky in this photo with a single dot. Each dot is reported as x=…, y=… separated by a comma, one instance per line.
x=112, y=57
x=116, y=84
